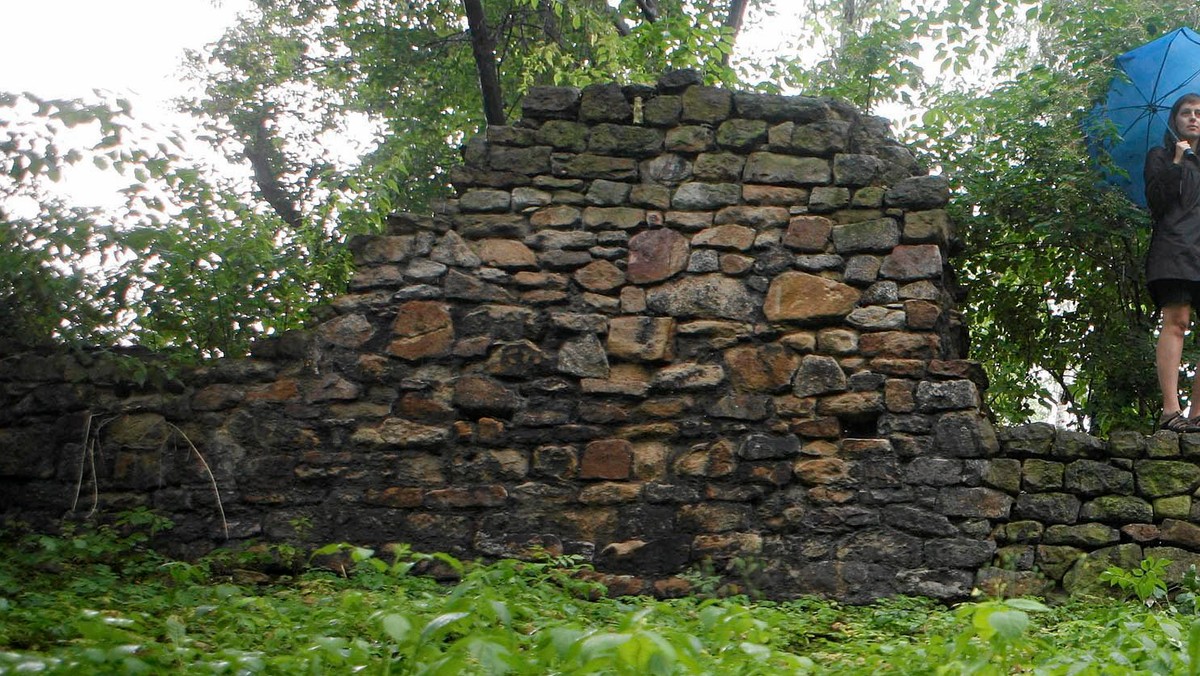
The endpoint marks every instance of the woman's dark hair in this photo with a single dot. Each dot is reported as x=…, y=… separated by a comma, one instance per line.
x=1172, y=136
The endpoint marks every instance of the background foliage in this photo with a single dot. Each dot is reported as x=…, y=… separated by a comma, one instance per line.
x=339, y=112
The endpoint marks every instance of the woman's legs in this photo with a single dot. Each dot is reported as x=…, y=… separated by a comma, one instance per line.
x=1168, y=354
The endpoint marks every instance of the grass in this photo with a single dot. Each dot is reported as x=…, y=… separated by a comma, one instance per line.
x=98, y=601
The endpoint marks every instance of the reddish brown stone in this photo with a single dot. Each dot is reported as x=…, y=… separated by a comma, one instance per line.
x=422, y=329
x=642, y=338
x=789, y=405
x=506, y=253
x=655, y=255
x=396, y=496
x=610, y=493
x=347, y=331
x=521, y=358
x=489, y=431
x=808, y=233
x=774, y=195
x=921, y=314
x=600, y=276
x=956, y=369
x=1142, y=532
x=727, y=545
x=852, y=405
x=761, y=368
x=217, y=397
x=423, y=406
x=909, y=263
x=479, y=496
x=898, y=395
x=557, y=216
x=714, y=518
x=823, y=495
x=899, y=344
x=478, y=394
x=774, y=474
x=818, y=428
x=607, y=459
x=736, y=237
x=650, y=460
x=280, y=390
x=822, y=471
x=666, y=407
x=736, y=264
x=800, y=296
x=900, y=368
x=672, y=588
x=709, y=460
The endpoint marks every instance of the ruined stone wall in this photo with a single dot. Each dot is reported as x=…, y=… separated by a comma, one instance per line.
x=660, y=327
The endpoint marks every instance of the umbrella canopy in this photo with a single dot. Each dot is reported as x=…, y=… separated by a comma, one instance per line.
x=1139, y=101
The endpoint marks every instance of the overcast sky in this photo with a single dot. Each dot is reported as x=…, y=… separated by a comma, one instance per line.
x=66, y=48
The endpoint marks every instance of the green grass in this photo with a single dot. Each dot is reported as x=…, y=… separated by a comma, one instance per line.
x=97, y=601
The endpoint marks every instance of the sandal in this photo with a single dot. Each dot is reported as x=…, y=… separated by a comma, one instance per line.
x=1178, y=423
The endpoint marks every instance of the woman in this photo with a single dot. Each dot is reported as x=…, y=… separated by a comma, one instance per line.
x=1173, y=263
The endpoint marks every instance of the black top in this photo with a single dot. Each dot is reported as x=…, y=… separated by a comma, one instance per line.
x=1173, y=194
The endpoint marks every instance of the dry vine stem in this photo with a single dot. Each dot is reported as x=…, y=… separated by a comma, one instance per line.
x=88, y=455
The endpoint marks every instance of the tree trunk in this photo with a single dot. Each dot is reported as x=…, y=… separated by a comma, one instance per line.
x=483, y=45
x=259, y=152
x=733, y=21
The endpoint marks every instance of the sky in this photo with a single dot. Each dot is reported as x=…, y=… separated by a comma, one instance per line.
x=67, y=48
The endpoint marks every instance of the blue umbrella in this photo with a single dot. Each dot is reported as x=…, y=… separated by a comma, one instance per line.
x=1139, y=101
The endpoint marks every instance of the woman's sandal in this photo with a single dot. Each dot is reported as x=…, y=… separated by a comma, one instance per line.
x=1179, y=423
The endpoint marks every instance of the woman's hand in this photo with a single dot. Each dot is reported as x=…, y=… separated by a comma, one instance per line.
x=1182, y=148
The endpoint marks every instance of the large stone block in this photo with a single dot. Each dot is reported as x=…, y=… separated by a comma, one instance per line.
x=1162, y=478
x=761, y=368
x=775, y=169
x=801, y=297
x=712, y=296
x=422, y=329
x=642, y=338
x=655, y=255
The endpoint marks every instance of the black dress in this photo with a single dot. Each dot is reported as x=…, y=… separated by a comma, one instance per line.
x=1173, y=194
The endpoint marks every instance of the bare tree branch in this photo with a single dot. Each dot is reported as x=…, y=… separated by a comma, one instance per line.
x=649, y=9
x=259, y=151
x=733, y=21
x=483, y=45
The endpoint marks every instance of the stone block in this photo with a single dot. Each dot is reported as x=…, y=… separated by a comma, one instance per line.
x=1117, y=509
x=776, y=169
x=984, y=503
x=874, y=236
x=798, y=296
x=604, y=102
x=607, y=459
x=1088, y=478
x=706, y=105
x=909, y=262
x=1163, y=478
x=625, y=141
x=551, y=102
x=1049, y=508
x=656, y=255
x=711, y=296
x=1174, y=507
x=1042, y=475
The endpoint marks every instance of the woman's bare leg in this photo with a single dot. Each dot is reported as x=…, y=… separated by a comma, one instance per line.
x=1168, y=353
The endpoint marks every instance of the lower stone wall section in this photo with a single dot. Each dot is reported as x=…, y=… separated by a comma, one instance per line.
x=1030, y=510
x=1079, y=504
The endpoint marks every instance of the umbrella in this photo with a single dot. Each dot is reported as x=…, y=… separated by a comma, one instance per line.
x=1138, y=103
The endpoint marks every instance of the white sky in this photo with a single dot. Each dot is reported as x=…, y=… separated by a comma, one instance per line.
x=67, y=48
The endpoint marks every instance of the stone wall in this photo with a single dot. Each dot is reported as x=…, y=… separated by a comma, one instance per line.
x=1071, y=505
x=660, y=327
